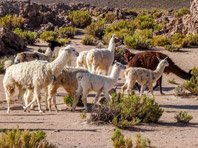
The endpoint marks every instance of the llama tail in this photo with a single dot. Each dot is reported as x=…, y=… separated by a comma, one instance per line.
x=173, y=68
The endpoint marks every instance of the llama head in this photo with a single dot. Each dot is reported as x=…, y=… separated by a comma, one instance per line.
x=72, y=53
x=128, y=55
x=119, y=65
x=164, y=62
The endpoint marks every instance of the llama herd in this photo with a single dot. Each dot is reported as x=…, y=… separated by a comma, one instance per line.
x=34, y=71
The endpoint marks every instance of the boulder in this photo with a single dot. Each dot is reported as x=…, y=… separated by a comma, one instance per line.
x=10, y=43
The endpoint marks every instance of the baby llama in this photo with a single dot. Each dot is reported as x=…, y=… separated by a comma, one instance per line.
x=101, y=59
x=143, y=76
x=98, y=83
x=34, y=75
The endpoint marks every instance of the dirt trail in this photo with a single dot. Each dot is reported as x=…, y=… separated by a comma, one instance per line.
x=67, y=129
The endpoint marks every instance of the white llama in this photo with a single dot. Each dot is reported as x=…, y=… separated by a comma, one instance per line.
x=101, y=59
x=143, y=76
x=34, y=75
x=98, y=83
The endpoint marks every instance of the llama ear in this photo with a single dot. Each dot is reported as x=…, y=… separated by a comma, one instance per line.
x=159, y=59
x=166, y=58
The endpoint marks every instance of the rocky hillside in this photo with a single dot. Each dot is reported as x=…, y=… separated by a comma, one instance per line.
x=164, y=4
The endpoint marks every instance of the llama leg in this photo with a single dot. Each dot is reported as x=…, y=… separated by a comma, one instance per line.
x=107, y=96
x=142, y=90
x=96, y=99
x=130, y=86
x=8, y=95
x=84, y=99
x=150, y=86
x=76, y=98
x=124, y=87
x=21, y=94
x=52, y=96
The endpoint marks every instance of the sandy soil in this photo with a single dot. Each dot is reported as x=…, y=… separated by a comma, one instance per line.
x=67, y=129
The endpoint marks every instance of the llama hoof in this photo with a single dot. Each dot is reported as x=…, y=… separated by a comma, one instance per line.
x=8, y=111
x=40, y=111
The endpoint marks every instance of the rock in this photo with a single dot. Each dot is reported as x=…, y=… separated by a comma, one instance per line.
x=10, y=43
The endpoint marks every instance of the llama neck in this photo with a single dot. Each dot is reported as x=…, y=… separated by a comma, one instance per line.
x=115, y=73
x=111, y=46
x=58, y=64
x=159, y=71
x=48, y=52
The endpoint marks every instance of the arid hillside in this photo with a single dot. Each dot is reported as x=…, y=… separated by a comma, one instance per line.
x=165, y=4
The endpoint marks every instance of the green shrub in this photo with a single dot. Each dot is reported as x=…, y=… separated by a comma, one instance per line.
x=11, y=21
x=127, y=111
x=183, y=117
x=192, y=84
x=18, y=139
x=80, y=18
x=119, y=141
x=67, y=32
x=142, y=142
x=145, y=22
x=63, y=40
x=96, y=29
x=190, y=40
x=2, y=63
x=160, y=40
x=68, y=100
x=181, y=12
x=89, y=40
x=141, y=39
x=29, y=37
x=110, y=17
x=49, y=36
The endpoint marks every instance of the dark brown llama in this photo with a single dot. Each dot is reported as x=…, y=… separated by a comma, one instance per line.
x=149, y=60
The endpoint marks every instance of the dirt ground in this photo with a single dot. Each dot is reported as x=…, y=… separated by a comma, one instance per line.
x=67, y=130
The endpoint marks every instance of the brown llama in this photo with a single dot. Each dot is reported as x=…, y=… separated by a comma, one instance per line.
x=149, y=60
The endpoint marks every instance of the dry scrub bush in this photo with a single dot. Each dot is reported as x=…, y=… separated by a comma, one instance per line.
x=96, y=29
x=181, y=12
x=141, y=39
x=68, y=32
x=80, y=18
x=29, y=37
x=183, y=117
x=11, y=21
x=89, y=40
x=120, y=141
x=127, y=111
x=49, y=36
x=24, y=139
x=192, y=84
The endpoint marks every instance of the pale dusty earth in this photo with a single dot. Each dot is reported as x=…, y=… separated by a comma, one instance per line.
x=67, y=130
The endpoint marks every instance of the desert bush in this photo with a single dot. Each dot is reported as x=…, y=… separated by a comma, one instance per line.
x=63, y=40
x=80, y=18
x=127, y=111
x=190, y=40
x=2, y=62
x=160, y=40
x=144, y=21
x=142, y=142
x=183, y=117
x=89, y=40
x=96, y=29
x=110, y=17
x=19, y=139
x=181, y=12
x=68, y=100
x=192, y=84
x=11, y=21
x=141, y=39
x=67, y=32
x=49, y=36
x=119, y=141
x=29, y=37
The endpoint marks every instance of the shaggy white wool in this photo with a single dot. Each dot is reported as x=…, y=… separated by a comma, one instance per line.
x=34, y=75
x=101, y=59
x=98, y=83
x=81, y=60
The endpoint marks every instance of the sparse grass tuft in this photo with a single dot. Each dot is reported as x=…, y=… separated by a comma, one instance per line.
x=181, y=12
x=49, y=36
x=11, y=21
x=183, y=117
x=18, y=139
x=89, y=40
x=29, y=37
x=192, y=84
x=80, y=18
x=68, y=100
x=142, y=142
x=66, y=32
